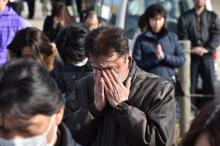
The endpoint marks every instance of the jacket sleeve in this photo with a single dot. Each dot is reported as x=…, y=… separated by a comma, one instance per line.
x=143, y=63
x=150, y=128
x=182, y=28
x=214, y=39
x=81, y=118
x=176, y=59
x=46, y=24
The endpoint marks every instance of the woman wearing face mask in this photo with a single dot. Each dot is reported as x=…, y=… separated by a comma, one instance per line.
x=158, y=50
x=31, y=107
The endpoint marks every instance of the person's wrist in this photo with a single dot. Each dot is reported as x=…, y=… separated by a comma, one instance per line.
x=98, y=106
x=93, y=110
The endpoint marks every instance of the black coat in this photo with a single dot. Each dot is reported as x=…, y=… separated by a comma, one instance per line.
x=64, y=137
x=202, y=30
x=147, y=118
x=67, y=74
x=48, y=28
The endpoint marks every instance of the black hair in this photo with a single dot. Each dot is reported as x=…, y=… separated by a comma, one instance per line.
x=33, y=38
x=153, y=11
x=142, y=23
x=27, y=89
x=59, y=9
x=70, y=43
x=106, y=40
x=206, y=122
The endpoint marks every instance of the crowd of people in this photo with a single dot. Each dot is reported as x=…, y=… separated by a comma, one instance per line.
x=78, y=84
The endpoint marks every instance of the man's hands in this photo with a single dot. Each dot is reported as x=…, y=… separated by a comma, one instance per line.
x=109, y=87
x=116, y=92
x=200, y=51
x=99, y=99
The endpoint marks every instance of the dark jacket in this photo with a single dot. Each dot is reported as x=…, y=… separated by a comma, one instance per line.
x=147, y=118
x=201, y=30
x=66, y=75
x=144, y=53
x=64, y=137
x=48, y=28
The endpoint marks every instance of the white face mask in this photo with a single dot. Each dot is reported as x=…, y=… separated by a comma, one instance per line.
x=39, y=140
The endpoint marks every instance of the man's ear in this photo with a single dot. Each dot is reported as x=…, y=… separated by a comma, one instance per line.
x=129, y=57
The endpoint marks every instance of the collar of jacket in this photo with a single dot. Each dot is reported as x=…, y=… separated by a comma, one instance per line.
x=156, y=36
x=133, y=71
x=205, y=10
x=66, y=137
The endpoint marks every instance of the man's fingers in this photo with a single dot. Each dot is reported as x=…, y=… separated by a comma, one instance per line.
x=97, y=76
x=116, y=78
x=107, y=80
x=102, y=87
x=109, y=75
x=128, y=83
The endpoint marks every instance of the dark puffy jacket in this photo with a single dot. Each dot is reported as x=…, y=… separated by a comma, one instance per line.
x=147, y=118
x=49, y=30
x=144, y=53
x=202, y=30
x=66, y=75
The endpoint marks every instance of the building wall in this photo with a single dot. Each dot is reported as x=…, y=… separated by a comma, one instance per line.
x=216, y=6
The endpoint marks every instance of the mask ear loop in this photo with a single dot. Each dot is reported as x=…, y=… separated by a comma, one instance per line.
x=53, y=139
